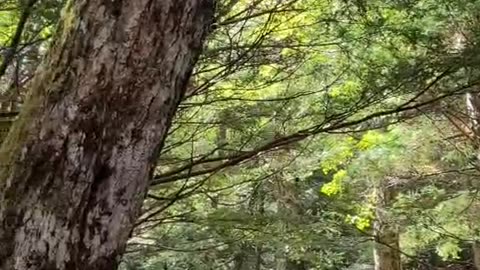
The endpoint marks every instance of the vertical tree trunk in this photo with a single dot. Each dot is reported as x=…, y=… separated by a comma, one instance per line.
x=296, y=265
x=472, y=101
x=75, y=166
x=250, y=255
x=387, y=249
x=473, y=112
x=246, y=259
x=476, y=254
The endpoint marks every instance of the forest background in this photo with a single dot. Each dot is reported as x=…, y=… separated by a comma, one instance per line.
x=314, y=134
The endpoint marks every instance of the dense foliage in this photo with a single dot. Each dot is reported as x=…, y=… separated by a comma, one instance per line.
x=299, y=114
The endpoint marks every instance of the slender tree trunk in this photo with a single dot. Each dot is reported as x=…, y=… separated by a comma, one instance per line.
x=246, y=259
x=387, y=249
x=250, y=255
x=472, y=101
x=75, y=166
x=473, y=112
x=476, y=254
x=11, y=50
x=296, y=265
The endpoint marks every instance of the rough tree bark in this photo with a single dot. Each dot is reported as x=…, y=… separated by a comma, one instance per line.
x=75, y=166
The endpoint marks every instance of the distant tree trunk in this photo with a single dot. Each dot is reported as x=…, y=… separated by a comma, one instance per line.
x=222, y=139
x=246, y=259
x=250, y=255
x=387, y=249
x=75, y=166
x=280, y=260
x=476, y=254
x=472, y=101
x=296, y=265
x=473, y=112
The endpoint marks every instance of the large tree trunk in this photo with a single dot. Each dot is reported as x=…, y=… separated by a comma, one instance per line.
x=75, y=166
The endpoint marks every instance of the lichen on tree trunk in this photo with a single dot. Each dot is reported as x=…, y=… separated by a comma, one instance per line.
x=75, y=166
